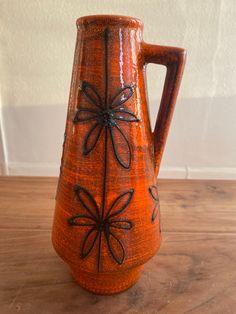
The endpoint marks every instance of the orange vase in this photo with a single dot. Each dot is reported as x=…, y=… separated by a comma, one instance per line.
x=107, y=218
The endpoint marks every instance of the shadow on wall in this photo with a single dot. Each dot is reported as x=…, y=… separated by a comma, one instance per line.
x=201, y=139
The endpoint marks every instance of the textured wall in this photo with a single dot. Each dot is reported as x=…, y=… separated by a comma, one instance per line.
x=37, y=45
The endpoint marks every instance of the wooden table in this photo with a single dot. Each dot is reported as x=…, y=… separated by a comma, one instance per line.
x=194, y=272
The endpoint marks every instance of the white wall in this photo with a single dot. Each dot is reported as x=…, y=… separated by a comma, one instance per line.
x=37, y=45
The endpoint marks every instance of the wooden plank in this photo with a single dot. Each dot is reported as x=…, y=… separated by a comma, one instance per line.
x=27, y=202
x=198, y=205
x=191, y=206
x=193, y=273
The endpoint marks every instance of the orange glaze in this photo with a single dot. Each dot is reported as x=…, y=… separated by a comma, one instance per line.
x=107, y=218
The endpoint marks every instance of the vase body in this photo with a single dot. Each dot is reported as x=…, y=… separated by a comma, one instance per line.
x=107, y=217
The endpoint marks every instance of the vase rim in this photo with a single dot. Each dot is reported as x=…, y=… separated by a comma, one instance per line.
x=113, y=20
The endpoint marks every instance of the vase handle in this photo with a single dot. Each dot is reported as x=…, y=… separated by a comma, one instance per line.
x=174, y=59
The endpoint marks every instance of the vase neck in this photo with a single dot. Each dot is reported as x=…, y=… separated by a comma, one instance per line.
x=109, y=21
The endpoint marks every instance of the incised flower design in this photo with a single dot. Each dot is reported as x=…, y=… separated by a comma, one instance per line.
x=107, y=115
x=102, y=225
x=154, y=194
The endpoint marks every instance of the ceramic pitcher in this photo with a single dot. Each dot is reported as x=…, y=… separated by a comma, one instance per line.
x=107, y=217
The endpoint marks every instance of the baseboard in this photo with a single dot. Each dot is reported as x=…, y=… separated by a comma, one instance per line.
x=212, y=173
x=3, y=169
x=172, y=173
x=52, y=169
x=33, y=169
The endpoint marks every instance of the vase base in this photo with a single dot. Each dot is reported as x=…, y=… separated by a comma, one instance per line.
x=107, y=284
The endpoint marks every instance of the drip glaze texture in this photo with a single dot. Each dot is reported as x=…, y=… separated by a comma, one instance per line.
x=107, y=217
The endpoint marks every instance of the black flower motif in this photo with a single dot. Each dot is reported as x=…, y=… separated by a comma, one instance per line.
x=154, y=194
x=107, y=115
x=102, y=225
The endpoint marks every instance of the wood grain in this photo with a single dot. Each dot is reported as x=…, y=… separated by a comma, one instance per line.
x=194, y=271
